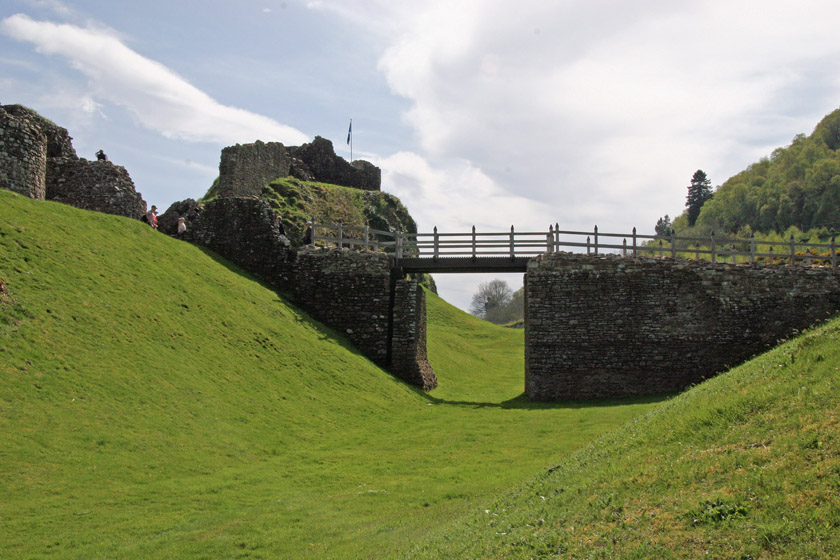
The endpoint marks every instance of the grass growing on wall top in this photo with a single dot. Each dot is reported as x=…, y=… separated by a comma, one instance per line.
x=156, y=401
x=298, y=201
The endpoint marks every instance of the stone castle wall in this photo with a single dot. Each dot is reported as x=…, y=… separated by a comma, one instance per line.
x=613, y=327
x=37, y=159
x=59, y=142
x=93, y=185
x=245, y=169
x=409, y=360
x=23, y=156
x=350, y=292
x=353, y=292
x=319, y=160
x=242, y=230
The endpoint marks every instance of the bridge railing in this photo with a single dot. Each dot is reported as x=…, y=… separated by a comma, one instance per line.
x=530, y=243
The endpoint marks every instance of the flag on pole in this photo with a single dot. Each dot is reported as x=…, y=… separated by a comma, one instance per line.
x=350, y=131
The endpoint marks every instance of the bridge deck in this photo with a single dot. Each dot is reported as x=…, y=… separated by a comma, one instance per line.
x=463, y=264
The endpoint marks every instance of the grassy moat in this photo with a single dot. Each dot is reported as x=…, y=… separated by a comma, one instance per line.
x=156, y=401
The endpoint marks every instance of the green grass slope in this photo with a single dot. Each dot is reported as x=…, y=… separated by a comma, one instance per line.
x=744, y=466
x=157, y=402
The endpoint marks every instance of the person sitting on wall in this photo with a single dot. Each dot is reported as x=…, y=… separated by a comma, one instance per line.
x=100, y=156
x=193, y=214
x=307, y=234
x=182, y=227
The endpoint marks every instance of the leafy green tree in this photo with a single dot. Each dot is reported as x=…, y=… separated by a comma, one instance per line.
x=490, y=300
x=663, y=226
x=699, y=191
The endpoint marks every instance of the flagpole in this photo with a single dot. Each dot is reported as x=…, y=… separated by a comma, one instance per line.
x=350, y=139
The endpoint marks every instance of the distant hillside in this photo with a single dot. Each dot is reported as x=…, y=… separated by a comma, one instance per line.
x=158, y=402
x=797, y=186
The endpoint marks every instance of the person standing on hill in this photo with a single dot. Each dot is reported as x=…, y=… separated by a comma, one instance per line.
x=307, y=234
x=151, y=217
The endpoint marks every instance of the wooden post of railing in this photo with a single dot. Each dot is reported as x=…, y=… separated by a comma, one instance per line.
x=673, y=244
x=624, y=248
x=587, y=245
x=734, y=252
x=398, y=245
x=367, y=234
x=696, y=250
x=596, y=240
x=437, y=245
x=712, y=238
x=340, y=234
x=752, y=248
x=473, y=242
x=772, y=258
x=660, y=248
x=833, y=252
x=635, y=245
x=556, y=237
x=549, y=239
x=312, y=221
x=512, y=255
x=792, y=251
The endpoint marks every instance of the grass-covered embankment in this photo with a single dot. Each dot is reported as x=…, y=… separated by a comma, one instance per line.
x=155, y=401
x=744, y=466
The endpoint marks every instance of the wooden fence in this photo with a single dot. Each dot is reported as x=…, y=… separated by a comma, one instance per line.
x=531, y=243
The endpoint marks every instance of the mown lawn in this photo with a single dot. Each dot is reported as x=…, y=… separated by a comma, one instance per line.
x=745, y=466
x=156, y=401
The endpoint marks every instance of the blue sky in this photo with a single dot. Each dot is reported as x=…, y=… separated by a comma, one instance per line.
x=486, y=113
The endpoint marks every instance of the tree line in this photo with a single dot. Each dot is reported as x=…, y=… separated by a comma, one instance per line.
x=797, y=188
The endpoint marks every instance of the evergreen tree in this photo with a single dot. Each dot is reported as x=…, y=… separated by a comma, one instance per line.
x=699, y=191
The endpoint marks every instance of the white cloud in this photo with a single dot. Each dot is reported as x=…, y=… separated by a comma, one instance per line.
x=56, y=6
x=157, y=97
x=592, y=112
x=604, y=111
x=454, y=195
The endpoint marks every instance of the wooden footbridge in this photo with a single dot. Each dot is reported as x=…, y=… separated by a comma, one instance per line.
x=510, y=251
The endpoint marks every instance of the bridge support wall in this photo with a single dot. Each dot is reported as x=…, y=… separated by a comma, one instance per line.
x=601, y=327
x=360, y=294
x=408, y=337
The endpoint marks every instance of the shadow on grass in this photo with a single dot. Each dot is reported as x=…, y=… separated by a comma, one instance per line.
x=522, y=402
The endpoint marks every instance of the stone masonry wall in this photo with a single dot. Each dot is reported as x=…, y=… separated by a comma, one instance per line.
x=319, y=160
x=37, y=159
x=408, y=339
x=245, y=169
x=242, y=230
x=23, y=156
x=93, y=185
x=606, y=326
x=59, y=142
x=349, y=291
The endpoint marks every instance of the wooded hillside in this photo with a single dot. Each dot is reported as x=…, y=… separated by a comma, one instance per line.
x=797, y=186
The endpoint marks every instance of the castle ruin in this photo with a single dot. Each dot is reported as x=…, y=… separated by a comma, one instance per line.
x=245, y=169
x=37, y=159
